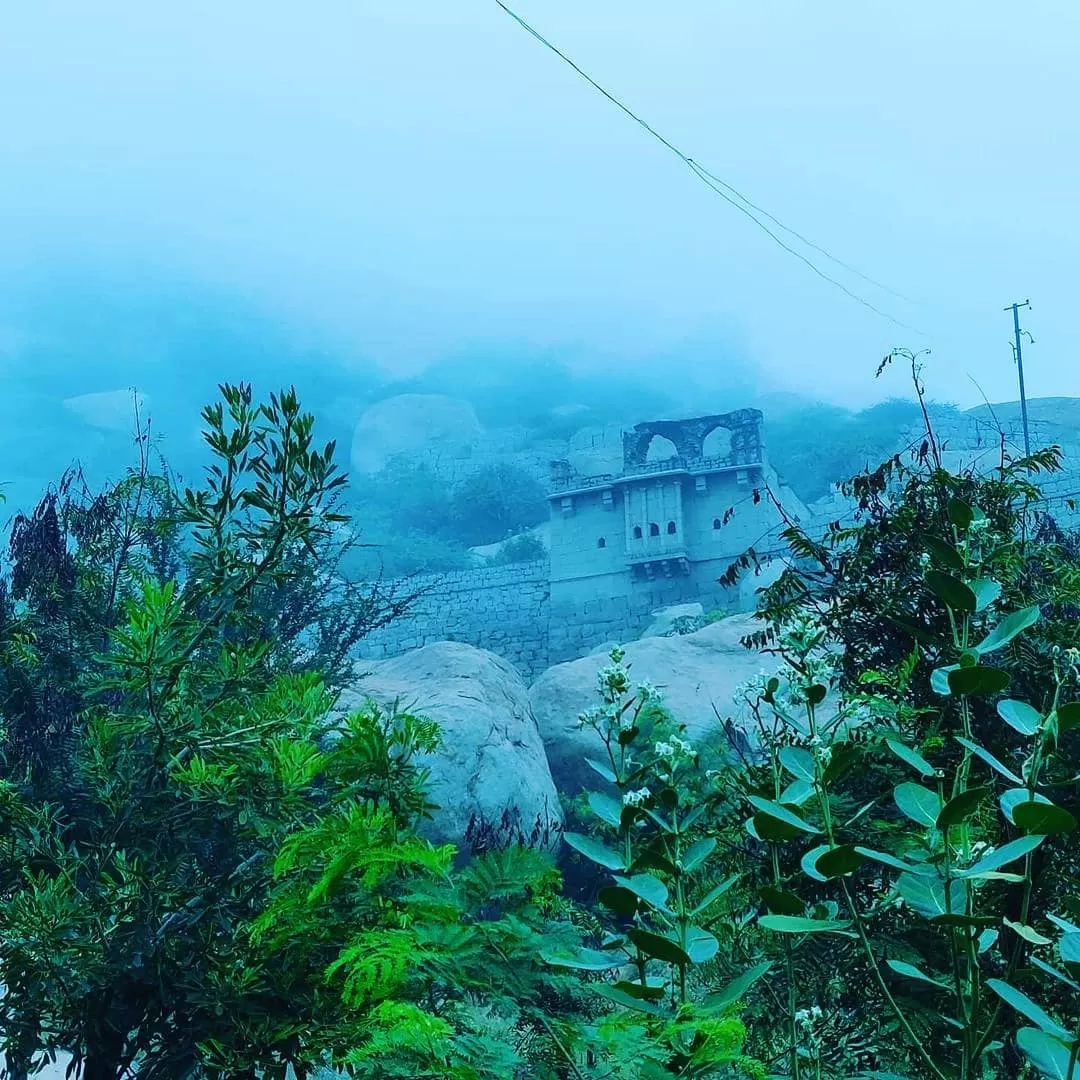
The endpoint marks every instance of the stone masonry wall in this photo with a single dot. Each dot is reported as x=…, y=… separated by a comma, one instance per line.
x=503, y=609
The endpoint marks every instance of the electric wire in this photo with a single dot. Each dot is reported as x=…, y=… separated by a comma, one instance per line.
x=718, y=186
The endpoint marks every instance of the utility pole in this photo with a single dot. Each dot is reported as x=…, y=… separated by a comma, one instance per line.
x=1015, y=308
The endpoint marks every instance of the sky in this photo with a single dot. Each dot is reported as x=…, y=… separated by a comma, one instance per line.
x=398, y=182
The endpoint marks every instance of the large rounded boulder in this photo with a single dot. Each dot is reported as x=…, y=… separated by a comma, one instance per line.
x=411, y=424
x=697, y=674
x=491, y=768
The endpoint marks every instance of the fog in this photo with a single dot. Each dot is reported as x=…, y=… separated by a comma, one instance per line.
x=196, y=191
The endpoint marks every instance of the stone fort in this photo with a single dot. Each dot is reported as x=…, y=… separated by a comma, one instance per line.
x=686, y=503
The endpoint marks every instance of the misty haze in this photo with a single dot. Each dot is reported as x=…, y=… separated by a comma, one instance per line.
x=540, y=540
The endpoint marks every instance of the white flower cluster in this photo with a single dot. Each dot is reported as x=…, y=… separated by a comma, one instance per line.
x=647, y=692
x=674, y=748
x=807, y=1017
x=636, y=798
x=612, y=681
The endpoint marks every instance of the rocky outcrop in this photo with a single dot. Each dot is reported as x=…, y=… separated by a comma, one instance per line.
x=697, y=673
x=412, y=424
x=492, y=762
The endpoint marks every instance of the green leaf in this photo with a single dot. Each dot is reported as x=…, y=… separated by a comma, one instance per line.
x=584, y=960
x=780, y=813
x=816, y=694
x=965, y=681
x=781, y=902
x=620, y=997
x=1008, y=628
x=945, y=553
x=1012, y=798
x=939, y=679
x=910, y=971
x=798, y=762
x=713, y=895
x=1018, y=1000
x=897, y=864
x=601, y=769
x=1069, y=948
x=961, y=514
x=697, y=853
x=650, y=889
x=838, y=861
x=986, y=592
x=1068, y=716
x=809, y=860
x=1042, y=965
x=927, y=897
x=594, y=850
x=766, y=828
x=951, y=591
x=843, y=760
x=723, y=999
x=1002, y=856
x=1049, y=1054
x=989, y=758
x=652, y=990
x=606, y=808
x=791, y=924
x=918, y=803
x=1044, y=818
x=796, y=793
x=621, y=901
x=1020, y=716
x=911, y=757
x=701, y=946
x=1027, y=933
x=659, y=948
x=962, y=806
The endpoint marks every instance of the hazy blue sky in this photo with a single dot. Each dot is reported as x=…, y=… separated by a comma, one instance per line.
x=414, y=179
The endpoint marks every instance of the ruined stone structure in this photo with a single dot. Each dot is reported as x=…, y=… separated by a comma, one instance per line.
x=661, y=531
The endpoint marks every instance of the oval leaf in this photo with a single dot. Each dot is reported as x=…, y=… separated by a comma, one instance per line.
x=1002, y=856
x=965, y=681
x=780, y=813
x=945, y=553
x=951, y=591
x=701, y=946
x=986, y=592
x=606, y=808
x=791, y=924
x=659, y=948
x=838, y=861
x=1050, y=1055
x=918, y=803
x=798, y=762
x=1020, y=716
x=594, y=850
x=1008, y=628
x=584, y=960
x=910, y=971
x=1044, y=818
x=735, y=990
x=962, y=807
x=650, y=889
x=697, y=853
x=1018, y=1000
x=1013, y=797
x=989, y=758
x=781, y=902
x=911, y=757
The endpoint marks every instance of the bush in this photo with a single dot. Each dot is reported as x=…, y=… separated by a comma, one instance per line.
x=521, y=549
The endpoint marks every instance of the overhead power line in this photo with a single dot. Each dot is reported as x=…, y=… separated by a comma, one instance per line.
x=728, y=193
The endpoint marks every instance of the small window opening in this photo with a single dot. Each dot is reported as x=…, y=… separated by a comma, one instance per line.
x=671, y=528
x=654, y=529
x=602, y=542
x=637, y=532
x=716, y=523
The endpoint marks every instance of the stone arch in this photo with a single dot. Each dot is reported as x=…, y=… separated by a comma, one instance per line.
x=661, y=448
x=654, y=529
x=718, y=443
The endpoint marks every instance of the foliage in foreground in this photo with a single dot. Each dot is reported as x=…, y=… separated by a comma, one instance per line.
x=233, y=881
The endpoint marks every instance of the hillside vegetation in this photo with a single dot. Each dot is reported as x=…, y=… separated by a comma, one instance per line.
x=206, y=873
